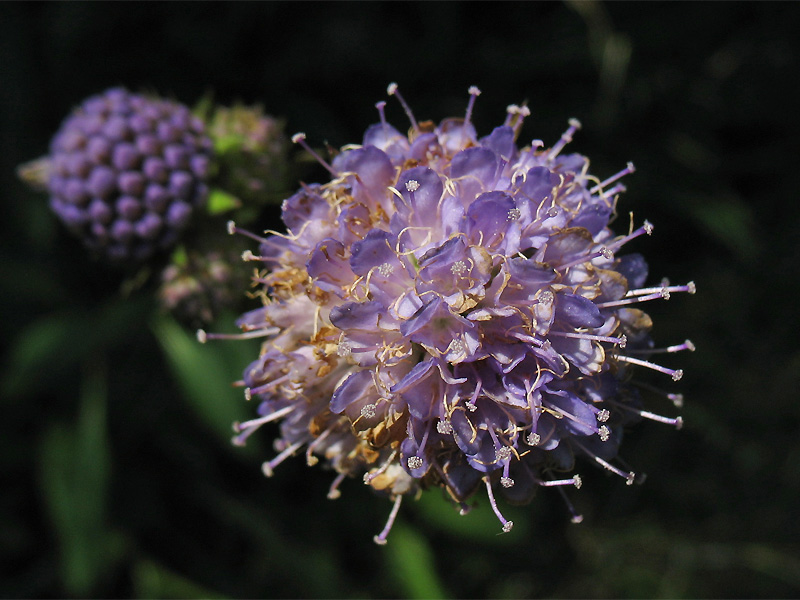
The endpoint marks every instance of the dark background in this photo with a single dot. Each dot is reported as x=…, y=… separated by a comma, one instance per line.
x=116, y=472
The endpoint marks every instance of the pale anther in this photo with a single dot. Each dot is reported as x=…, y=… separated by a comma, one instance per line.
x=603, y=415
x=506, y=482
x=298, y=137
x=386, y=269
x=604, y=433
x=368, y=411
x=412, y=185
x=414, y=462
x=504, y=453
x=444, y=427
x=202, y=337
x=578, y=482
x=513, y=214
x=231, y=227
x=533, y=439
x=676, y=375
x=458, y=268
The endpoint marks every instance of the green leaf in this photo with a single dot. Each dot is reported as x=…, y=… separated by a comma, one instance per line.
x=730, y=222
x=206, y=372
x=48, y=347
x=74, y=476
x=220, y=201
x=411, y=561
x=152, y=580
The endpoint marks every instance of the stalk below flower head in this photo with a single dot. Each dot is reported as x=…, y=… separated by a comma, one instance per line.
x=453, y=311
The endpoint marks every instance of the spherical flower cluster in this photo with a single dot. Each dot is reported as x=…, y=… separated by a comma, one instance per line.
x=452, y=311
x=126, y=172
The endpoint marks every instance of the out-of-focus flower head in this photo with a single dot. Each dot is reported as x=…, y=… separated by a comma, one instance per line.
x=251, y=148
x=126, y=172
x=453, y=311
x=200, y=283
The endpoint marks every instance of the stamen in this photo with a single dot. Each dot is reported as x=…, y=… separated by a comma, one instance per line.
x=676, y=422
x=506, y=480
x=676, y=374
x=687, y=345
x=652, y=293
x=533, y=439
x=621, y=341
x=522, y=112
x=270, y=385
x=444, y=427
x=414, y=462
x=333, y=491
x=368, y=411
x=311, y=460
x=386, y=269
x=663, y=290
x=629, y=477
x=368, y=477
x=300, y=138
x=604, y=432
x=233, y=229
x=412, y=185
x=507, y=525
x=380, y=539
x=575, y=480
x=511, y=111
x=380, y=106
x=676, y=399
x=393, y=91
x=458, y=268
x=626, y=171
x=269, y=467
x=575, y=516
x=647, y=228
x=503, y=453
x=255, y=423
x=566, y=138
x=603, y=251
x=603, y=415
x=513, y=214
x=344, y=349
x=203, y=336
x=617, y=189
x=474, y=92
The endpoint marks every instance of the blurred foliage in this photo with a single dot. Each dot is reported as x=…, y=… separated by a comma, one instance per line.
x=117, y=473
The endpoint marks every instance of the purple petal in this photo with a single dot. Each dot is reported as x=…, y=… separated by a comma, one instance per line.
x=365, y=316
x=578, y=311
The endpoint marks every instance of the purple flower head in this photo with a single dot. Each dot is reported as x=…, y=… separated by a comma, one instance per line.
x=453, y=311
x=127, y=172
